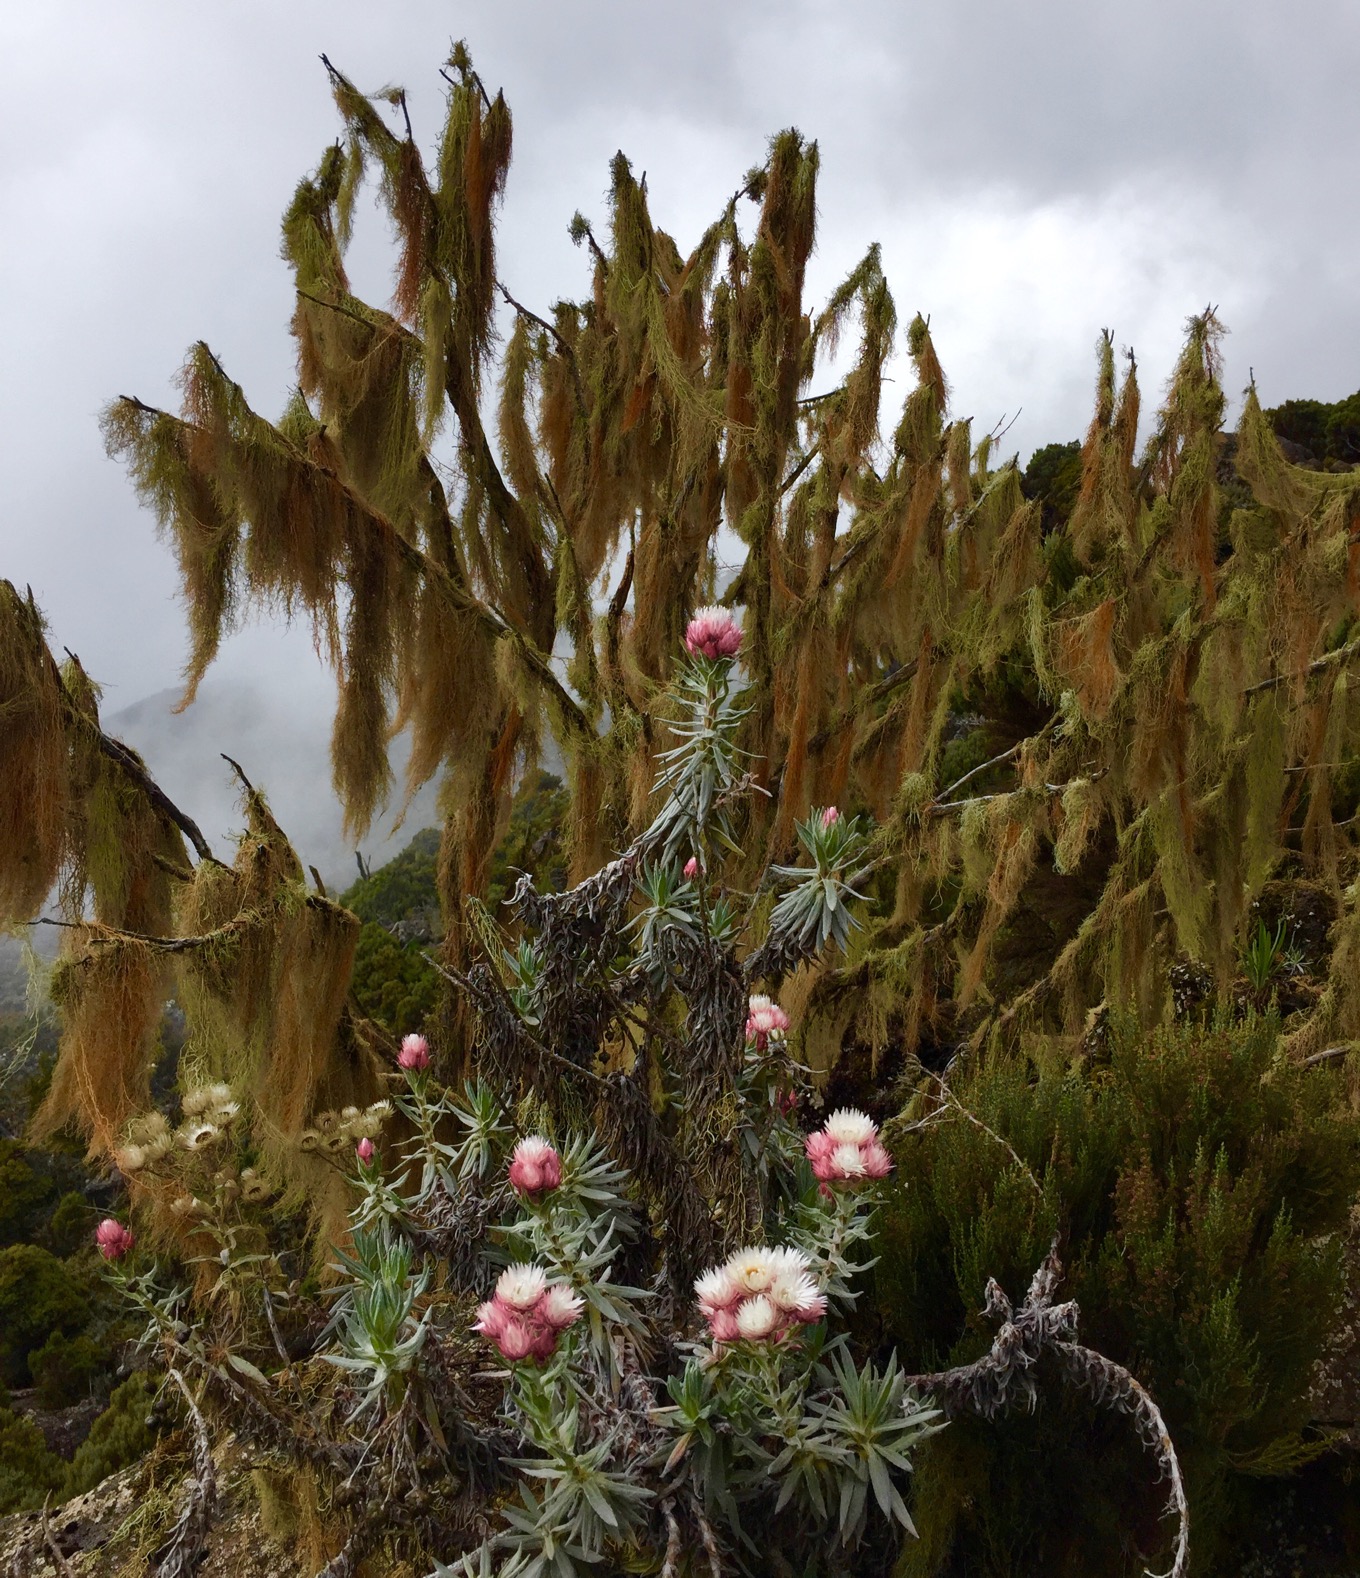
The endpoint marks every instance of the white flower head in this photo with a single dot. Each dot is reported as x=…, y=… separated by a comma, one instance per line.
x=752, y=1269
x=561, y=1307
x=787, y=1261
x=131, y=1159
x=849, y=1126
x=848, y=1161
x=195, y=1101
x=194, y=1136
x=219, y=1095
x=717, y=1289
x=757, y=1319
x=521, y=1286
x=792, y=1293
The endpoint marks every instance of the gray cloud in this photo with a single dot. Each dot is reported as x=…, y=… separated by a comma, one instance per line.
x=1034, y=173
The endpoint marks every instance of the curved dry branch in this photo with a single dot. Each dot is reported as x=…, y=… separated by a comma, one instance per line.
x=1006, y=1374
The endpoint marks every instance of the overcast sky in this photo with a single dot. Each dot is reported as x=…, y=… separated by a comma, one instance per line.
x=1035, y=173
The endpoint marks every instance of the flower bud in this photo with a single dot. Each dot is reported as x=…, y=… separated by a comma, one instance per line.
x=714, y=632
x=535, y=1166
x=365, y=1151
x=414, y=1056
x=112, y=1239
x=830, y=816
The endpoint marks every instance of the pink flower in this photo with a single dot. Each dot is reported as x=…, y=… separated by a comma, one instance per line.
x=717, y=1290
x=491, y=1319
x=766, y=1021
x=515, y=1340
x=714, y=632
x=528, y=1314
x=847, y=1149
x=535, y=1167
x=113, y=1239
x=830, y=816
x=559, y=1307
x=415, y=1054
x=723, y=1325
x=364, y=1150
x=786, y=1101
x=692, y=867
x=877, y=1162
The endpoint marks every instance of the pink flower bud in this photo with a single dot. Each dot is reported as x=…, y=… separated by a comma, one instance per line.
x=415, y=1054
x=491, y=1319
x=830, y=816
x=113, y=1239
x=364, y=1151
x=514, y=1339
x=535, y=1166
x=692, y=867
x=714, y=632
x=723, y=1325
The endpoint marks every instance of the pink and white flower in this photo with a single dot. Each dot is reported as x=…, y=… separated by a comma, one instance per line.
x=692, y=867
x=830, y=816
x=847, y=1149
x=527, y=1314
x=520, y=1287
x=414, y=1056
x=535, y=1167
x=766, y=1021
x=364, y=1150
x=714, y=632
x=113, y=1239
x=757, y=1319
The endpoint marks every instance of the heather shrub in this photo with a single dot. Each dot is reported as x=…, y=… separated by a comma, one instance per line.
x=1198, y=1181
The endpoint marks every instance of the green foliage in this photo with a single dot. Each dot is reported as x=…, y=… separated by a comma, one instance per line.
x=1330, y=432
x=24, y=1192
x=71, y=1223
x=1263, y=955
x=118, y=1437
x=1198, y=1182
x=65, y=1369
x=1053, y=476
x=39, y=1295
x=28, y=1471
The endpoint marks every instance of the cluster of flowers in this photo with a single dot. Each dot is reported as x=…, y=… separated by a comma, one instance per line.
x=847, y=1149
x=759, y=1294
x=714, y=632
x=209, y=1111
x=528, y=1314
x=337, y=1131
x=766, y=1022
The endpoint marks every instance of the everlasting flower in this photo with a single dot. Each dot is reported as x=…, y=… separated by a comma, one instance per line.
x=560, y=1307
x=195, y=1101
x=196, y=1135
x=766, y=1021
x=717, y=1290
x=830, y=816
x=849, y=1126
x=847, y=1149
x=131, y=1159
x=528, y=1314
x=364, y=1149
x=714, y=632
x=757, y=1319
x=520, y=1286
x=113, y=1239
x=535, y=1167
x=752, y=1269
x=415, y=1054
x=692, y=867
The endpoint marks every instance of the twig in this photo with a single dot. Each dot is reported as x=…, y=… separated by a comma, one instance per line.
x=50, y=1540
x=1325, y=1055
x=189, y=1535
x=1316, y=667
x=982, y=767
x=239, y=771
x=274, y=1331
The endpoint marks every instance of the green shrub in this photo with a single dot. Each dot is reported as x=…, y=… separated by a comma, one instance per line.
x=1197, y=1181
x=72, y=1224
x=28, y=1471
x=24, y=1192
x=39, y=1295
x=65, y=1369
x=118, y=1437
